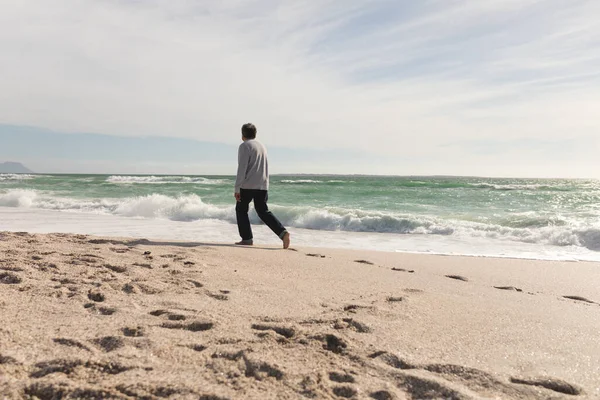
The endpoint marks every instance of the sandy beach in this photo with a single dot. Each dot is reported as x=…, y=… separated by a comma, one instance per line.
x=116, y=318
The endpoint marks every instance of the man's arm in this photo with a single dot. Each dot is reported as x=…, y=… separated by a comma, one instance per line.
x=241, y=171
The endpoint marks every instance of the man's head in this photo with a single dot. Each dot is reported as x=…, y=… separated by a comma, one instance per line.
x=248, y=131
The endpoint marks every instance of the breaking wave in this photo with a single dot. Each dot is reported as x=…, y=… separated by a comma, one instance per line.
x=530, y=229
x=121, y=179
x=309, y=181
x=16, y=177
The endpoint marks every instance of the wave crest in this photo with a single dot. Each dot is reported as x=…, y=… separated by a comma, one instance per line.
x=192, y=208
x=16, y=177
x=21, y=198
x=198, y=180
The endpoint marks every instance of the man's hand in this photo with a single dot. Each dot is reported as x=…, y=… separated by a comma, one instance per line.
x=237, y=196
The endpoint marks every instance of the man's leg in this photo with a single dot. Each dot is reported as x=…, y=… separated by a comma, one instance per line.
x=241, y=212
x=260, y=204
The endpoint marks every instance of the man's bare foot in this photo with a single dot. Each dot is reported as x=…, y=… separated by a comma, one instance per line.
x=286, y=240
x=245, y=243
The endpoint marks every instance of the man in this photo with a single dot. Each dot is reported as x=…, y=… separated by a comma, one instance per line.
x=252, y=183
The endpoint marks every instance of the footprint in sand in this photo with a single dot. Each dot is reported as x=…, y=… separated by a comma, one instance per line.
x=70, y=343
x=256, y=369
x=458, y=278
x=11, y=268
x=96, y=296
x=555, y=385
x=9, y=278
x=382, y=395
x=197, y=326
x=107, y=310
x=346, y=392
x=217, y=296
x=7, y=360
x=170, y=316
x=316, y=255
x=101, y=310
x=116, y=268
x=153, y=391
x=410, y=271
x=133, y=288
x=85, y=260
x=288, y=333
x=579, y=298
x=197, y=347
x=129, y=288
x=176, y=317
x=341, y=378
x=353, y=308
x=515, y=289
x=350, y=323
x=391, y=360
x=109, y=343
x=68, y=367
x=364, y=262
x=137, y=331
x=418, y=386
x=333, y=343
x=395, y=299
x=64, y=281
x=158, y=313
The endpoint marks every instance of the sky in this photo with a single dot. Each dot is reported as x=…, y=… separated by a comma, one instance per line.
x=400, y=87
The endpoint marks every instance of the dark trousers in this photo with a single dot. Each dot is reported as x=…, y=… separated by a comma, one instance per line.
x=260, y=198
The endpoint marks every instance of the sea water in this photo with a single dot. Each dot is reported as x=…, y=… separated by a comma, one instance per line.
x=524, y=218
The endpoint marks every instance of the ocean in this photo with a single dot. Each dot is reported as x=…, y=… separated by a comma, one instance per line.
x=554, y=219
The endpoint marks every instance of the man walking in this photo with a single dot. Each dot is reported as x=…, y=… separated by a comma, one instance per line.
x=252, y=183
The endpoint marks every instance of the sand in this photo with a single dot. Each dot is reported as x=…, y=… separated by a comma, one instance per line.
x=109, y=318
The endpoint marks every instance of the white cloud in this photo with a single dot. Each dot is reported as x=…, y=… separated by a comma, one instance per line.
x=390, y=77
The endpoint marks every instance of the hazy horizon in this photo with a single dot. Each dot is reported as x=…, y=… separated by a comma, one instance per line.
x=72, y=155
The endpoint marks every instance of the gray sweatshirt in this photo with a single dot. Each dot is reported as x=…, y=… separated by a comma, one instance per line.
x=253, y=168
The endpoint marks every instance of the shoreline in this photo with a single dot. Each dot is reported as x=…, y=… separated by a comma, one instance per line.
x=125, y=318
x=50, y=221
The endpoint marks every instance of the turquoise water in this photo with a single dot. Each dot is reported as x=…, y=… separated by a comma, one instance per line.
x=539, y=211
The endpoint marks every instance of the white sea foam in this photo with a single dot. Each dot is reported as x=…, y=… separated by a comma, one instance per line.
x=300, y=181
x=526, y=187
x=182, y=208
x=21, y=198
x=16, y=177
x=216, y=231
x=165, y=180
x=304, y=181
x=193, y=208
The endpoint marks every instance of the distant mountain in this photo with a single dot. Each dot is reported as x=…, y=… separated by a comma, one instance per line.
x=14, y=168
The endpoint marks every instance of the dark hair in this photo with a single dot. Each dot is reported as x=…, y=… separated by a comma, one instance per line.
x=249, y=131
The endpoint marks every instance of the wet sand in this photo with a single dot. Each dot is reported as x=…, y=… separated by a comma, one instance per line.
x=113, y=318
